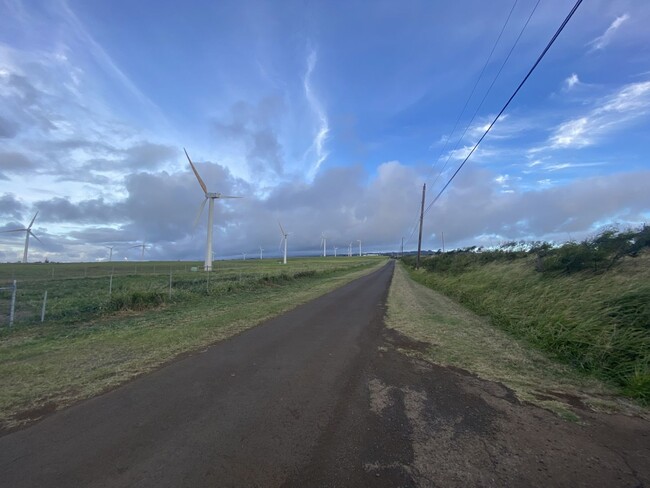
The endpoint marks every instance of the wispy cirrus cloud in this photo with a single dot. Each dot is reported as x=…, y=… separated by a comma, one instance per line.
x=602, y=41
x=317, y=147
x=630, y=102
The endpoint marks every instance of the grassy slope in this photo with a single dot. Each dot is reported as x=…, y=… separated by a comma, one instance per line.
x=58, y=365
x=595, y=322
x=460, y=338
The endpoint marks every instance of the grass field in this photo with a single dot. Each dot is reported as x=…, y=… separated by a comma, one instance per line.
x=596, y=321
x=79, y=291
x=460, y=338
x=88, y=345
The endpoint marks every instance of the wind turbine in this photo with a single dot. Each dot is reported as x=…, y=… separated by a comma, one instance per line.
x=350, y=250
x=335, y=248
x=110, y=254
x=283, y=239
x=359, y=246
x=143, y=246
x=207, y=265
x=244, y=254
x=323, y=241
x=28, y=231
x=261, y=253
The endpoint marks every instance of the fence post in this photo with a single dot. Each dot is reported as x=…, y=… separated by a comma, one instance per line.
x=13, y=306
x=44, y=305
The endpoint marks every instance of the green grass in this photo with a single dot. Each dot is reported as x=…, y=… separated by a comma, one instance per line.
x=75, y=357
x=597, y=322
x=460, y=338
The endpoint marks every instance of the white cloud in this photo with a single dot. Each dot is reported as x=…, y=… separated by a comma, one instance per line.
x=571, y=81
x=611, y=113
x=317, y=147
x=602, y=41
x=573, y=133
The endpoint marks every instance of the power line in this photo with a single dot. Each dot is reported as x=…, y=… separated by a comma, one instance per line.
x=530, y=72
x=462, y=112
x=471, y=94
x=487, y=92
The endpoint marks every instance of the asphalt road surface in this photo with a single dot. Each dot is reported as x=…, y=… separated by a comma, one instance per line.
x=320, y=396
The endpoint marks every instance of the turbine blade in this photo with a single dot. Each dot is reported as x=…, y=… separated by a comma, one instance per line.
x=34, y=236
x=227, y=196
x=196, y=173
x=281, y=229
x=13, y=230
x=32, y=222
x=198, y=215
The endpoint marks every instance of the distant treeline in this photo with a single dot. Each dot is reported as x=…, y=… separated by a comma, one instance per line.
x=597, y=254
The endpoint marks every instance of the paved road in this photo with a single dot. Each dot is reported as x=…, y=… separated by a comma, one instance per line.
x=322, y=396
x=246, y=412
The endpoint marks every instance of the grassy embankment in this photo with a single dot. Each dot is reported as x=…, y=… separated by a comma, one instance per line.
x=594, y=317
x=104, y=341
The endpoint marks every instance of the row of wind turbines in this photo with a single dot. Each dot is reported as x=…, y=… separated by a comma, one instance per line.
x=212, y=196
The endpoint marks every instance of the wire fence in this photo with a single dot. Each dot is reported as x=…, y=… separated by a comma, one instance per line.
x=43, y=293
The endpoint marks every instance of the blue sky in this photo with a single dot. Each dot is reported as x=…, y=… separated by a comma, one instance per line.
x=328, y=116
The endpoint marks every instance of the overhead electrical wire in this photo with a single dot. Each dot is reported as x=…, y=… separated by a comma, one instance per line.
x=521, y=84
x=462, y=112
x=487, y=92
x=471, y=94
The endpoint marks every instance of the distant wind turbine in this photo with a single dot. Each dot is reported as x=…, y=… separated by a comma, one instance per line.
x=283, y=239
x=359, y=246
x=350, y=250
x=143, y=246
x=110, y=254
x=28, y=231
x=207, y=265
x=323, y=241
x=335, y=248
x=261, y=253
x=244, y=254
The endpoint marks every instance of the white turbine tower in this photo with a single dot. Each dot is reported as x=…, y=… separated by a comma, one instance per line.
x=143, y=246
x=283, y=239
x=350, y=250
x=323, y=241
x=335, y=249
x=28, y=231
x=110, y=254
x=261, y=253
x=207, y=265
x=359, y=247
x=244, y=254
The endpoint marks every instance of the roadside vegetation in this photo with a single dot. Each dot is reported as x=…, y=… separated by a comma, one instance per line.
x=96, y=342
x=586, y=304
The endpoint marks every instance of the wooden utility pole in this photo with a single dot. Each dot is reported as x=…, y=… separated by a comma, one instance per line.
x=401, y=252
x=417, y=263
x=443, y=241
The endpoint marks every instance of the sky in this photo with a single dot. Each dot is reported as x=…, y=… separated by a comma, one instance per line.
x=327, y=116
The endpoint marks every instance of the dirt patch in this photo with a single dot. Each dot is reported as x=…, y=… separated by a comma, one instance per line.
x=408, y=422
x=36, y=413
x=401, y=341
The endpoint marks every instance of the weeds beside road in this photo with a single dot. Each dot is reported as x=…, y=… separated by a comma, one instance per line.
x=457, y=337
x=597, y=321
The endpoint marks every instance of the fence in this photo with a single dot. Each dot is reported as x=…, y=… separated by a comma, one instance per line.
x=36, y=293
